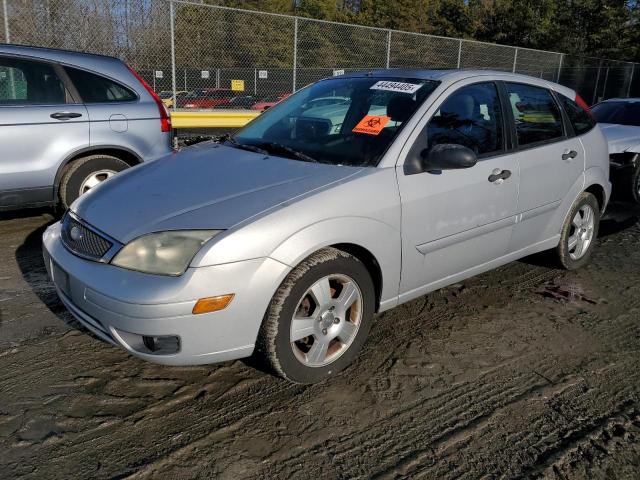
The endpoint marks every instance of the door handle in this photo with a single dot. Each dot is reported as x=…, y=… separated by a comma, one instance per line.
x=569, y=155
x=65, y=115
x=498, y=176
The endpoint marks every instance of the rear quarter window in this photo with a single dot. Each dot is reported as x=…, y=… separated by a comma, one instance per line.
x=580, y=119
x=98, y=89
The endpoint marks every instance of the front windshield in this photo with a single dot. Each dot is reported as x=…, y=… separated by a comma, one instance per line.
x=341, y=121
x=620, y=113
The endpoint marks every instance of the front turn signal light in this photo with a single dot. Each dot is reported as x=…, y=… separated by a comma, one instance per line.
x=212, y=304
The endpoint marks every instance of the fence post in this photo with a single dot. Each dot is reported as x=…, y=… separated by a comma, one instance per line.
x=7, y=34
x=559, y=67
x=595, y=90
x=295, y=53
x=388, y=48
x=255, y=81
x=459, y=52
x=515, y=60
x=604, y=89
x=185, y=79
x=173, y=54
x=633, y=69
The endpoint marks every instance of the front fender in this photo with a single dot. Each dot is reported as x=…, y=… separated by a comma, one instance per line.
x=379, y=238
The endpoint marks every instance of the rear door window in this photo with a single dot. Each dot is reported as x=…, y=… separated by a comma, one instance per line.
x=472, y=117
x=536, y=114
x=26, y=82
x=581, y=120
x=98, y=89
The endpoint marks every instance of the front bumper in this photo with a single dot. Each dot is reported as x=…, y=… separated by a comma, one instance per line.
x=122, y=306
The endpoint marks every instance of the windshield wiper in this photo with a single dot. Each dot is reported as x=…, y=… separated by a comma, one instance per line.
x=228, y=139
x=278, y=147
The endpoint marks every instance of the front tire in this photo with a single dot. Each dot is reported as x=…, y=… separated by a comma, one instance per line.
x=318, y=319
x=85, y=173
x=579, y=232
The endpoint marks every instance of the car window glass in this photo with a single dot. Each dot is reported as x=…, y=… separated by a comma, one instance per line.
x=472, y=117
x=346, y=121
x=535, y=112
x=619, y=113
x=580, y=119
x=97, y=89
x=24, y=82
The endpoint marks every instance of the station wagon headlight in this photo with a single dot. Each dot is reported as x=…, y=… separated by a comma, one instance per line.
x=163, y=253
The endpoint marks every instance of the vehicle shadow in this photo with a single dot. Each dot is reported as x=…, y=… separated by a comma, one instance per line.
x=31, y=264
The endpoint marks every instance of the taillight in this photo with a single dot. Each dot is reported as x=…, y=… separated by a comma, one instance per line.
x=583, y=105
x=165, y=119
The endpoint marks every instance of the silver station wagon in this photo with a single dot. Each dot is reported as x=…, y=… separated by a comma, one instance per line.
x=283, y=240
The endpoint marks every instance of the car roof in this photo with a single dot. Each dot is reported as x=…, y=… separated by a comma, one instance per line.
x=59, y=55
x=454, y=75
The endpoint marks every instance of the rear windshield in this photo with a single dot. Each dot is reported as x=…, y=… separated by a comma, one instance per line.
x=620, y=113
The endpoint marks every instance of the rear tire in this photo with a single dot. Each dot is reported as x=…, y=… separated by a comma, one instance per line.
x=579, y=232
x=85, y=173
x=332, y=297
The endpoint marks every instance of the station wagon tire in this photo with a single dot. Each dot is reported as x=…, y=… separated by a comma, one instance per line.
x=84, y=173
x=579, y=232
x=331, y=295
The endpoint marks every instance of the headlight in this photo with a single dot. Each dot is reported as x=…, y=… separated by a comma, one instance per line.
x=163, y=253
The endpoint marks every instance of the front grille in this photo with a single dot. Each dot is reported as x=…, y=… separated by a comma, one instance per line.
x=82, y=241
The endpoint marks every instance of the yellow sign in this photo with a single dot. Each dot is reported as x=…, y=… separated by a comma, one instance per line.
x=237, y=85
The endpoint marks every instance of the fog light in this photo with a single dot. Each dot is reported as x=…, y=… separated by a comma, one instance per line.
x=212, y=304
x=162, y=345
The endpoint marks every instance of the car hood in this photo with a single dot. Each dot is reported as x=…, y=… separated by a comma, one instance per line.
x=621, y=138
x=202, y=187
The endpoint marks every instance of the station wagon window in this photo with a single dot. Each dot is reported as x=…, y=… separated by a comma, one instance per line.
x=97, y=89
x=472, y=117
x=536, y=114
x=25, y=82
x=580, y=119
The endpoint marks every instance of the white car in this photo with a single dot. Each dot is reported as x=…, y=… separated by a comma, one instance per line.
x=619, y=119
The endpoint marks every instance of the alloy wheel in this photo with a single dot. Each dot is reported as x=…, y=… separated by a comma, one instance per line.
x=581, y=234
x=326, y=320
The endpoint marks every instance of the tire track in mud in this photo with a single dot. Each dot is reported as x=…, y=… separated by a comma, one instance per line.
x=443, y=384
x=387, y=343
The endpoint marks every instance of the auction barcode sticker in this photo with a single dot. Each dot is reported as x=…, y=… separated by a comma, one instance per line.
x=400, y=87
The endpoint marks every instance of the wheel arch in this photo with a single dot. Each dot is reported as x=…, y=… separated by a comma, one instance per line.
x=370, y=262
x=123, y=153
x=376, y=244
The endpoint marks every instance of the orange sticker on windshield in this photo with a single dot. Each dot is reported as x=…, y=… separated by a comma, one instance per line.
x=371, y=124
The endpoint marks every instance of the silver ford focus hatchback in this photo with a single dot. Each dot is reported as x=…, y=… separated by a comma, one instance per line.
x=283, y=240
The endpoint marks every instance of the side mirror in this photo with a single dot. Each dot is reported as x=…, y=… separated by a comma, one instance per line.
x=447, y=156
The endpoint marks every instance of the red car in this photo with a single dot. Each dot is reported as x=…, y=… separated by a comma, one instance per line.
x=269, y=102
x=206, y=98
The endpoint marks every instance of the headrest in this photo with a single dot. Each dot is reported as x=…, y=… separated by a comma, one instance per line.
x=400, y=108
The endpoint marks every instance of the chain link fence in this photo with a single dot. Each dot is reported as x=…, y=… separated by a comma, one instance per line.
x=219, y=57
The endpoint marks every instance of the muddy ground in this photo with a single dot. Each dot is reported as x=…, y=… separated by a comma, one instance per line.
x=523, y=372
